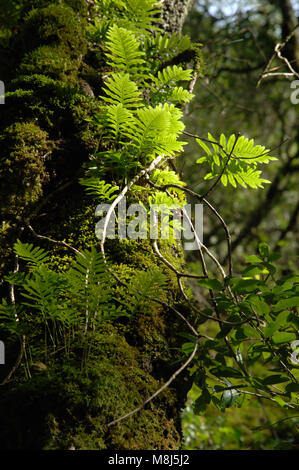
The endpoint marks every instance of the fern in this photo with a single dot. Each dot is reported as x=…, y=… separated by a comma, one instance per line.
x=121, y=90
x=235, y=160
x=51, y=303
x=99, y=188
x=90, y=263
x=141, y=16
x=116, y=163
x=180, y=95
x=121, y=121
x=151, y=283
x=9, y=315
x=165, y=85
x=122, y=93
x=162, y=177
x=172, y=74
x=164, y=200
x=138, y=16
x=124, y=52
x=35, y=256
x=89, y=289
x=166, y=45
x=158, y=129
x=44, y=291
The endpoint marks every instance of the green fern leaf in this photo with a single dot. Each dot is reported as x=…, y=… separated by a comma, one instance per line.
x=124, y=51
x=120, y=89
x=181, y=95
x=158, y=129
x=35, y=256
x=166, y=46
x=171, y=75
x=121, y=121
x=150, y=283
x=235, y=160
x=99, y=188
x=141, y=16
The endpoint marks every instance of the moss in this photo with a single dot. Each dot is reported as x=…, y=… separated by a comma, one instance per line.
x=22, y=166
x=55, y=24
x=53, y=61
x=70, y=405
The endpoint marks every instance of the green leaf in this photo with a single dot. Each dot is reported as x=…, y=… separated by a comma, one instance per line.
x=242, y=286
x=205, y=148
x=99, y=188
x=275, y=379
x=172, y=74
x=225, y=371
x=187, y=348
x=250, y=332
x=235, y=161
x=280, y=401
x=212, y=284
x=270, y=329
x=283, y=337
x=252, y=270
x=202, y=402
x=229, y=397
x=260, y=306
x=264, y=250
x=120, y=89
x=35, y=256
x=253, y=259
x=286, y=303
x=124, y=50
x=292, y=387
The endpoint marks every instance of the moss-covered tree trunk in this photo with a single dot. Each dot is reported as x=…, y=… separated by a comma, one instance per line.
x=53, y=78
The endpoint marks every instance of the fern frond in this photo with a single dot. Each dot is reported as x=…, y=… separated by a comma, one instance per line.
x=9, y=315
x=120, y=89
x=35, y=256
x=43, y=292
x=158, y=129
x=176, y=125
x=180, y=95
x=171, y=75
x=115, y=162
x=168, y=46
x=99, y=188
x=124, y=51
x=138, y=16
x=91, y=263
x=121, y=121
x=235, y=160
x=141, y=16
x=151, y=283
x=162, y=177
x=92, y=295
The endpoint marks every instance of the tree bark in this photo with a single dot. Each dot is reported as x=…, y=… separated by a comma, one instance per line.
x=46, y=137
x=175, y=13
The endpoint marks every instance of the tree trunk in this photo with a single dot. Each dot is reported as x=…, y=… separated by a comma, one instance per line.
x=175, y=13
x=54, y=81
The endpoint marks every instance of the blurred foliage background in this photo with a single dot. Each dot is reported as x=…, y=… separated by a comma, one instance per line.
x=238, y=39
